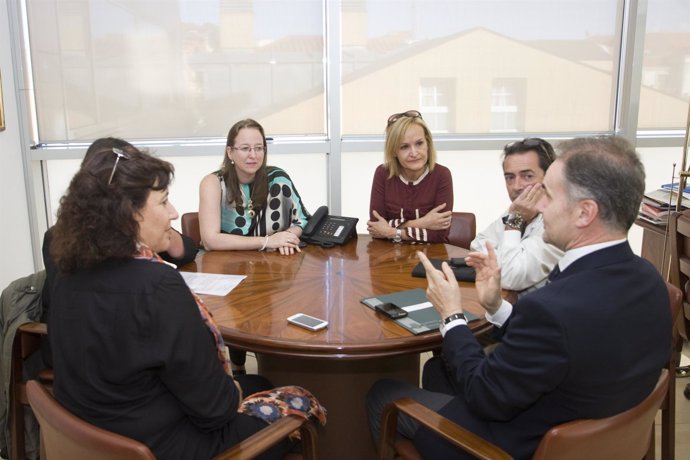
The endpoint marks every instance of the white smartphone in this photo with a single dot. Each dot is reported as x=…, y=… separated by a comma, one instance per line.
x=307, y=322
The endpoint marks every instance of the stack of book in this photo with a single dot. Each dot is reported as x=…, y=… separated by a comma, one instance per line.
x=657, y=204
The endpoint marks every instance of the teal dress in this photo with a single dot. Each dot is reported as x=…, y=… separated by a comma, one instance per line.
x=284, y=208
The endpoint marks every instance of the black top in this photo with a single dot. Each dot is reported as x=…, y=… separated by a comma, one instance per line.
x=190, y=251
x=132, y=355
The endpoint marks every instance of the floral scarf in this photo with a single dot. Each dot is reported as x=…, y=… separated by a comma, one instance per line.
x=145, y=253
x=267, y=405
x=271, y=405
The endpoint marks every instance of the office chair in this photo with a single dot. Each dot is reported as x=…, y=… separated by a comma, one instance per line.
x=65, y=436
x=626, y=435
x=463, y=229
x=190, y=227
x=27, y=341
x=668, y=408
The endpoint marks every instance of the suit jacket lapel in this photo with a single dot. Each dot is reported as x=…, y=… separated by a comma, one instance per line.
x=611, y=255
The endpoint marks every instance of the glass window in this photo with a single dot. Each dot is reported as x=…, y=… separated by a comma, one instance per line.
x=666, y=66
x=171, y=69
x=565, y=52
x=435, y=98
x=507, y=106
x=176, y=68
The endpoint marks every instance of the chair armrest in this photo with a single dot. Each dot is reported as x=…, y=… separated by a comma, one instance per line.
x=27, y=340
x=448, y=430
x=34, y=328
x=271, y=435
x=29, y=337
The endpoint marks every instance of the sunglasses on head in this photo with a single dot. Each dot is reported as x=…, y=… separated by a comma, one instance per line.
x=529, y=143
x=397, y=116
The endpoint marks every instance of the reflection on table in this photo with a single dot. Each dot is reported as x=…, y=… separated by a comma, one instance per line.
x=359, y=346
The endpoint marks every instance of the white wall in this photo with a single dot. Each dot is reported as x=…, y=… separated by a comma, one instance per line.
x=477, y=184
x=308, y=171
x=15, y=239
x=477, y=181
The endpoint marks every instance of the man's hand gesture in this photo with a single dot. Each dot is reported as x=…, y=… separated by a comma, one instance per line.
x=526, y=203
x=443, y=290
x=488, y=277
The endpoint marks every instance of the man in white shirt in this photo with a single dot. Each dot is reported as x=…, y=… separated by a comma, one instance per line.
x=525, y=259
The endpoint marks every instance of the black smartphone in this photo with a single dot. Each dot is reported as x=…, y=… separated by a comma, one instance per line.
x=391, y=310
x=458, y=262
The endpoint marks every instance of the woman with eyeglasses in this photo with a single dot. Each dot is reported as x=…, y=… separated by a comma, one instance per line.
x=247, y=205
x=135, y=351
x=411, y=195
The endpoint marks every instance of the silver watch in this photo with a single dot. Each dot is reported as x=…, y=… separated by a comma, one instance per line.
x=514, y=221
x=398, y=236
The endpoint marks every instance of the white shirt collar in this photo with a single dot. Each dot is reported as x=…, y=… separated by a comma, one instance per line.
x=406, y=181
x=573, y=254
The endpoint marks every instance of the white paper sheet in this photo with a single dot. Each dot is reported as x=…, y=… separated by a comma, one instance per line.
x=211, y=283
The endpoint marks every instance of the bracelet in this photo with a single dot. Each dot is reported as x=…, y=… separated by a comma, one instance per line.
x=265, y=244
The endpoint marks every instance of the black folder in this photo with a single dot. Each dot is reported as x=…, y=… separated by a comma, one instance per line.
x=462, y=273
x=422, y=316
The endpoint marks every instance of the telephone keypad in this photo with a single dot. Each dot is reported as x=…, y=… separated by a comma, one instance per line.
x=331, y=228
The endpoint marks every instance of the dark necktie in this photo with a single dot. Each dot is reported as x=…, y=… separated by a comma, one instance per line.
x=554, y=273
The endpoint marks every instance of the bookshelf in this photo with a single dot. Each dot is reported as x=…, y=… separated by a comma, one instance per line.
x=655, y=244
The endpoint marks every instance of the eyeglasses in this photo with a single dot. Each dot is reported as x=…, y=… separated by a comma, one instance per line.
x=527, y=144
x=120, y=154
x=397, y=116
x=246, y=149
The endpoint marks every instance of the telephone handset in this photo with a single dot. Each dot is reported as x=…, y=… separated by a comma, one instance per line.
x=329, y=230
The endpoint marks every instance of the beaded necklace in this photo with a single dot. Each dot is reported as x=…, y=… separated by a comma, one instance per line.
x=247, y=204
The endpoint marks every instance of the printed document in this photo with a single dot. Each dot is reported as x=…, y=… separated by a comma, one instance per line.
x=211, y=283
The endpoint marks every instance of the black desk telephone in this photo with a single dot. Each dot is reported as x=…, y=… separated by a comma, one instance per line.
x=328, y=231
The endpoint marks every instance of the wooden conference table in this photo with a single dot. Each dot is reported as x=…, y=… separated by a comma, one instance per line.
x=360, y=346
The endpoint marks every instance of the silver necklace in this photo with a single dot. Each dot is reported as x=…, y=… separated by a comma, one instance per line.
x=249, y=205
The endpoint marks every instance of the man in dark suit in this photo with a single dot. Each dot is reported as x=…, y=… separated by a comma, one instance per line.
x=589, y=344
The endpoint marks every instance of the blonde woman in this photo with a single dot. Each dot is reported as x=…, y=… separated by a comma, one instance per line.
x=411, y=195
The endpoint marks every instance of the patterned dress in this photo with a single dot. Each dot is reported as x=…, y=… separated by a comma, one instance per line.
x=284, y=208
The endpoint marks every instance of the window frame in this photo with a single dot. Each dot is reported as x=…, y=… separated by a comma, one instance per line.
x=631, y=22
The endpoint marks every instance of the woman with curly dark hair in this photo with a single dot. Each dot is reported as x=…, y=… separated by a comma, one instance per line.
x=180, y=251
x=134, y=350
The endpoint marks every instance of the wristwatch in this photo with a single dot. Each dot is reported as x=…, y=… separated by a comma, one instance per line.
x=398, y=236
x=514, y=221
x=453, y=317
x=449, y=319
